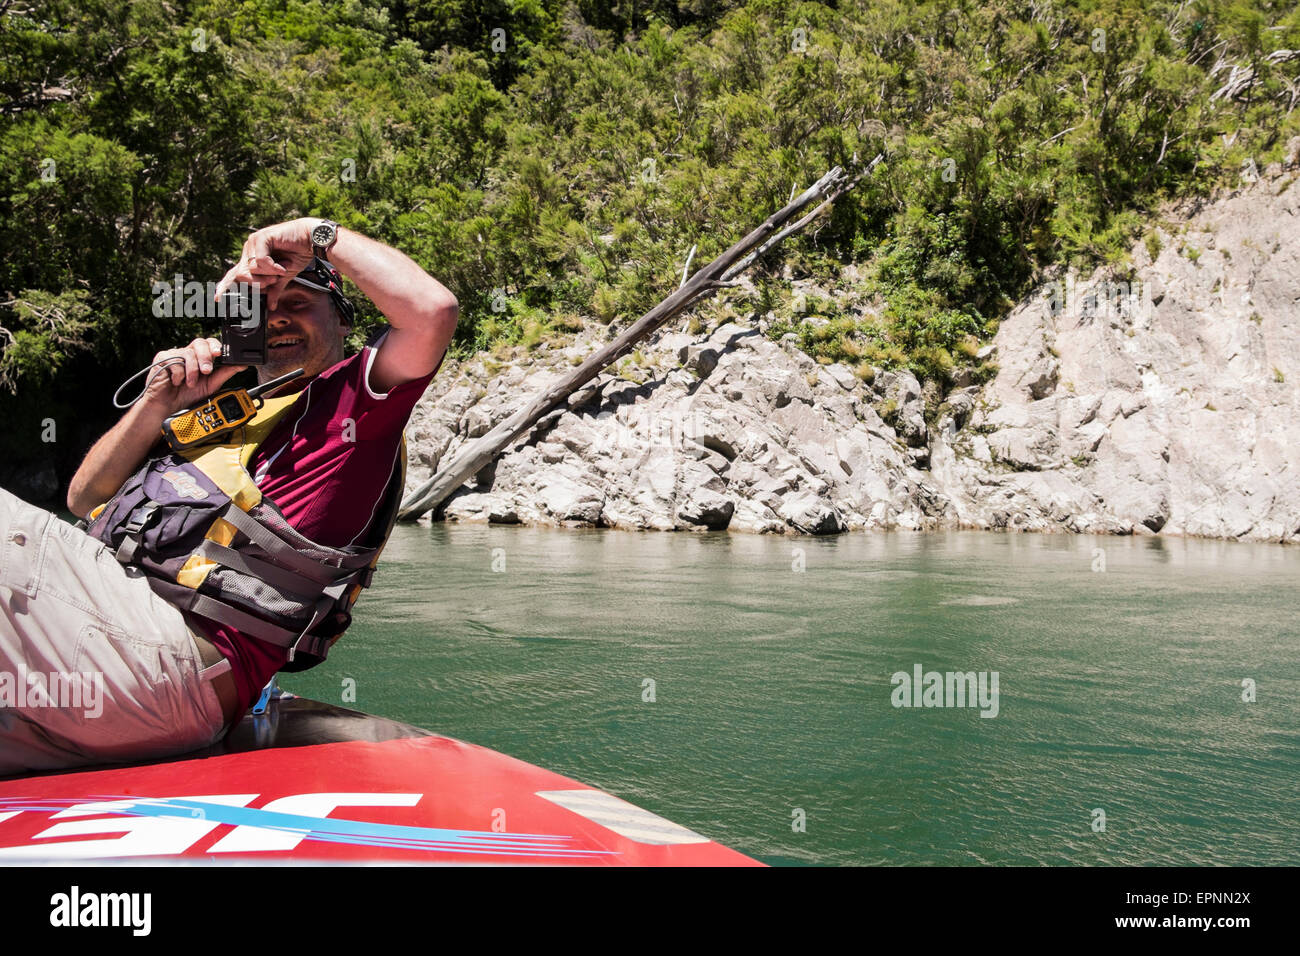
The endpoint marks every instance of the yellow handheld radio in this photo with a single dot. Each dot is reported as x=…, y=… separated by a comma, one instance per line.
x=218, y=416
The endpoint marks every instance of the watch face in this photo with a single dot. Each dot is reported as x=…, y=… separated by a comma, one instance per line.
x=322, y=235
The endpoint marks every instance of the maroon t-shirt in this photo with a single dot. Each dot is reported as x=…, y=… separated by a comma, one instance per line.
x=325, y=464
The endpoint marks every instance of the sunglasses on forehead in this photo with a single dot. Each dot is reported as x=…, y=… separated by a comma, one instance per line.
x=323, y=277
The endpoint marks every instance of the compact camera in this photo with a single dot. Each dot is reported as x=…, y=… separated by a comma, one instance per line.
x=242, y=311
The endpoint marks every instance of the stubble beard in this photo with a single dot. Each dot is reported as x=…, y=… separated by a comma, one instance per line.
x=313, y=362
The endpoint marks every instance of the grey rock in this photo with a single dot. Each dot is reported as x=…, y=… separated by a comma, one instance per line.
x=585, y=395
x=842, y=375
x=1041, y=379
x=707, y=508
x=811, y=514
x=699, y=358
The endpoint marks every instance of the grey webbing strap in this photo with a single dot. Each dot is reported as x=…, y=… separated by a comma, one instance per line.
x=293, y=582
x=137, y=521
x=272, y=544
x=323, y=607
x=126, y=553
x=312, y=644
x=262, y=630
x=336, y=591
x=216, y=610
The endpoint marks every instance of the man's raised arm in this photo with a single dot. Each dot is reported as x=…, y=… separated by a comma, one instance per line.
x=421, y=311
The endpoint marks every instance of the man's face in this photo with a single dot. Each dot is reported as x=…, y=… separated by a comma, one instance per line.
x=302, y=331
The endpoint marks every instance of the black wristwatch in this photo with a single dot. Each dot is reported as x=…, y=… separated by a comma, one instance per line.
x=323, y=238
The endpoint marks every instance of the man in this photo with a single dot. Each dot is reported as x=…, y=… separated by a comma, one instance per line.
x=176, y=678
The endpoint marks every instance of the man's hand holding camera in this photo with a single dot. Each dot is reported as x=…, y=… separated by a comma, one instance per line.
x=186, y=376
x=272, y=257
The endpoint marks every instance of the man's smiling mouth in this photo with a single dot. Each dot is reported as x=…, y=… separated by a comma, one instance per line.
x=287, y=342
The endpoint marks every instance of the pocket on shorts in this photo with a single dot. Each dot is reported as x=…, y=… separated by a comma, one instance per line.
x=124, y=660
x=152, y=694
x=79, y=570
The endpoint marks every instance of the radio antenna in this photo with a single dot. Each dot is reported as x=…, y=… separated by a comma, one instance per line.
x=258, y=390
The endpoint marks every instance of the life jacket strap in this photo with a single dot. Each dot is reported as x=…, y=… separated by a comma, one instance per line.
x=136, y=523
x=290, y=581
x=211, y=608
x=292, y=641
x=313, y=643
x=282, y=551
x=316, y=644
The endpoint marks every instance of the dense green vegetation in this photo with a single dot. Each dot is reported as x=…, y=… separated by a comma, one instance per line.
x=553, y=161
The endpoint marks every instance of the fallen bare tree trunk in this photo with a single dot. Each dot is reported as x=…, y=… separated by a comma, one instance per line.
x=716, y=275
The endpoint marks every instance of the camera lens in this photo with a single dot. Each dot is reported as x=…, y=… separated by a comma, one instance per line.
x=242, y=307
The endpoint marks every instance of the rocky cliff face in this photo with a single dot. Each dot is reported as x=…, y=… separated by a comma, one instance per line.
x=1170, y=404
x=1165, y=404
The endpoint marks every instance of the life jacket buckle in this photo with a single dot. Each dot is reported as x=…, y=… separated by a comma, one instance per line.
x=140, y=517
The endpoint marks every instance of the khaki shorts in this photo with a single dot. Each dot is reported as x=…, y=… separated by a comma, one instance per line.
x=94, y=666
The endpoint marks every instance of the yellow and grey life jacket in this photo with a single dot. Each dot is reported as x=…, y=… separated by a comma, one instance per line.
x=198, y=526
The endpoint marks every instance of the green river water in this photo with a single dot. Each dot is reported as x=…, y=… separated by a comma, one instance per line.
x=741, y=685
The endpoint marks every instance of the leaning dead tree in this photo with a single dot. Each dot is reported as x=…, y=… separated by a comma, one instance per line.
x=718, y=274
